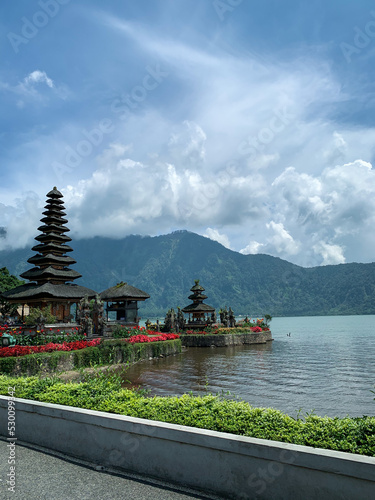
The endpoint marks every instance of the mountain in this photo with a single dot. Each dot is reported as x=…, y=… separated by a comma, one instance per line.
x=166, y=266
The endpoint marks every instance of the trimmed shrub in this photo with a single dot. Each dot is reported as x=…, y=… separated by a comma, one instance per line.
x=103, y=393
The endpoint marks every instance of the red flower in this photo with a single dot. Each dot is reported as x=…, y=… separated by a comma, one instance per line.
x=19, y=350
x=138, y=339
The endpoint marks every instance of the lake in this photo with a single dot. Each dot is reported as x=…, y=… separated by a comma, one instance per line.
x=325, y=366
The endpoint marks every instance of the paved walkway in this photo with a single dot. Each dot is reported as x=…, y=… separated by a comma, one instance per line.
x=45, y=475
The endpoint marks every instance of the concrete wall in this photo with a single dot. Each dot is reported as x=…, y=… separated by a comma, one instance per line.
x=228, y=339
x=232, y=466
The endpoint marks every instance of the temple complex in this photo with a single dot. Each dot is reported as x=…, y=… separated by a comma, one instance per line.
x=199, y=314
x=122, y=300
x=50, y=277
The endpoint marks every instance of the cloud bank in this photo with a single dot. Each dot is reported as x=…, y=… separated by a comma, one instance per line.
x=253, y=149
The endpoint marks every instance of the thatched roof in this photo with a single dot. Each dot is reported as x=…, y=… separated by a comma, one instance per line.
x=49, y=258
x=53, y=237
x=123, y=291
x=50, y=247
x=53, y=227
x=197, y=296
x=192, y=308
x=52, y=219
x=49, y=272
x=54, y=210
x=54, y=193
x=47, y=291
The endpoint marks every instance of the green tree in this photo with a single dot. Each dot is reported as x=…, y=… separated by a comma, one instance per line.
x=40, y=316
x=7, y=282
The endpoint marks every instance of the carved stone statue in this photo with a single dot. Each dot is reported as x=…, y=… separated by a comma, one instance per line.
x=98, y=313
x=84, y=316
x=180, y=319
x=224, y=316
x=170, y=321
x=231, y=318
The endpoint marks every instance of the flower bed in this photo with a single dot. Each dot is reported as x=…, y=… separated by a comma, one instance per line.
x=26, y=337
x=19, y=350
x=140, y=338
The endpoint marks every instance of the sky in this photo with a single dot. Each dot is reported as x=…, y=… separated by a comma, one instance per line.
x=249, y=122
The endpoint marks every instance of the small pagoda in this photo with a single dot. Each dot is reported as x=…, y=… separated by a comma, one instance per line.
x=199, y=314
x=122, y=299
x=50, y=277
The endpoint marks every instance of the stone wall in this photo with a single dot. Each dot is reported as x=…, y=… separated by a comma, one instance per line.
x=218, y=340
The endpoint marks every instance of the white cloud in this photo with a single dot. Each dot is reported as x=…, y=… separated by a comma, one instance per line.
x=21, y=221
x=38, y=76
x=214, y=234
x=332, y=254
x=282, y=240
x=251, y=148
x=252, y=248
x=36, y=87
x=188, y=143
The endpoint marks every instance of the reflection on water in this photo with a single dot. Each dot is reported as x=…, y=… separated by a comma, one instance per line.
x=326, y=365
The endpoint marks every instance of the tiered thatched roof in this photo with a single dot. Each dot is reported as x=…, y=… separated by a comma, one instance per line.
x=51, y=273
x=198, y=297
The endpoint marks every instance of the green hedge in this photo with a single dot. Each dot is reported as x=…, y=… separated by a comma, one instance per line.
x=107, y=353
x=104, y=393
x=225, y=331
x=239, y=329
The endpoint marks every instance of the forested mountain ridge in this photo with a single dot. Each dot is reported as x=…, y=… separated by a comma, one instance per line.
x=166, y=266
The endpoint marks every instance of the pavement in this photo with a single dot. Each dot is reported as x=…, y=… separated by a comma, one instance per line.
x=41, y=474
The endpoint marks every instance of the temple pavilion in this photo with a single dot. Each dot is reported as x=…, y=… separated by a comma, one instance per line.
x=122, y=300
x=199, y=313
x=50, y=277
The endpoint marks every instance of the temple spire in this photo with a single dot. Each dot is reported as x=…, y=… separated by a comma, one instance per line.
x=51, y=262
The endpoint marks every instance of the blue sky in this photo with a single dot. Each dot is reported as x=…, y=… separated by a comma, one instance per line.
x=249, y=122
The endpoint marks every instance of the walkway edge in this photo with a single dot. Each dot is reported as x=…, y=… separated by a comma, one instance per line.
x=233, y=466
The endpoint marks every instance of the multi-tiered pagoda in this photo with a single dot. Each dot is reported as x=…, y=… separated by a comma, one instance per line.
x=199, y=313
x=51, y=275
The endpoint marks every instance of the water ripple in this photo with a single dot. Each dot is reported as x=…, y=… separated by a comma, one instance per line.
x=326, y=365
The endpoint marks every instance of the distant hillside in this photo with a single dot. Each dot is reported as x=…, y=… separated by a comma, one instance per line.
x=166, y=267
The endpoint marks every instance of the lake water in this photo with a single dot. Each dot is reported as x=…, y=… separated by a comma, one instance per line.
x=326, y=365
